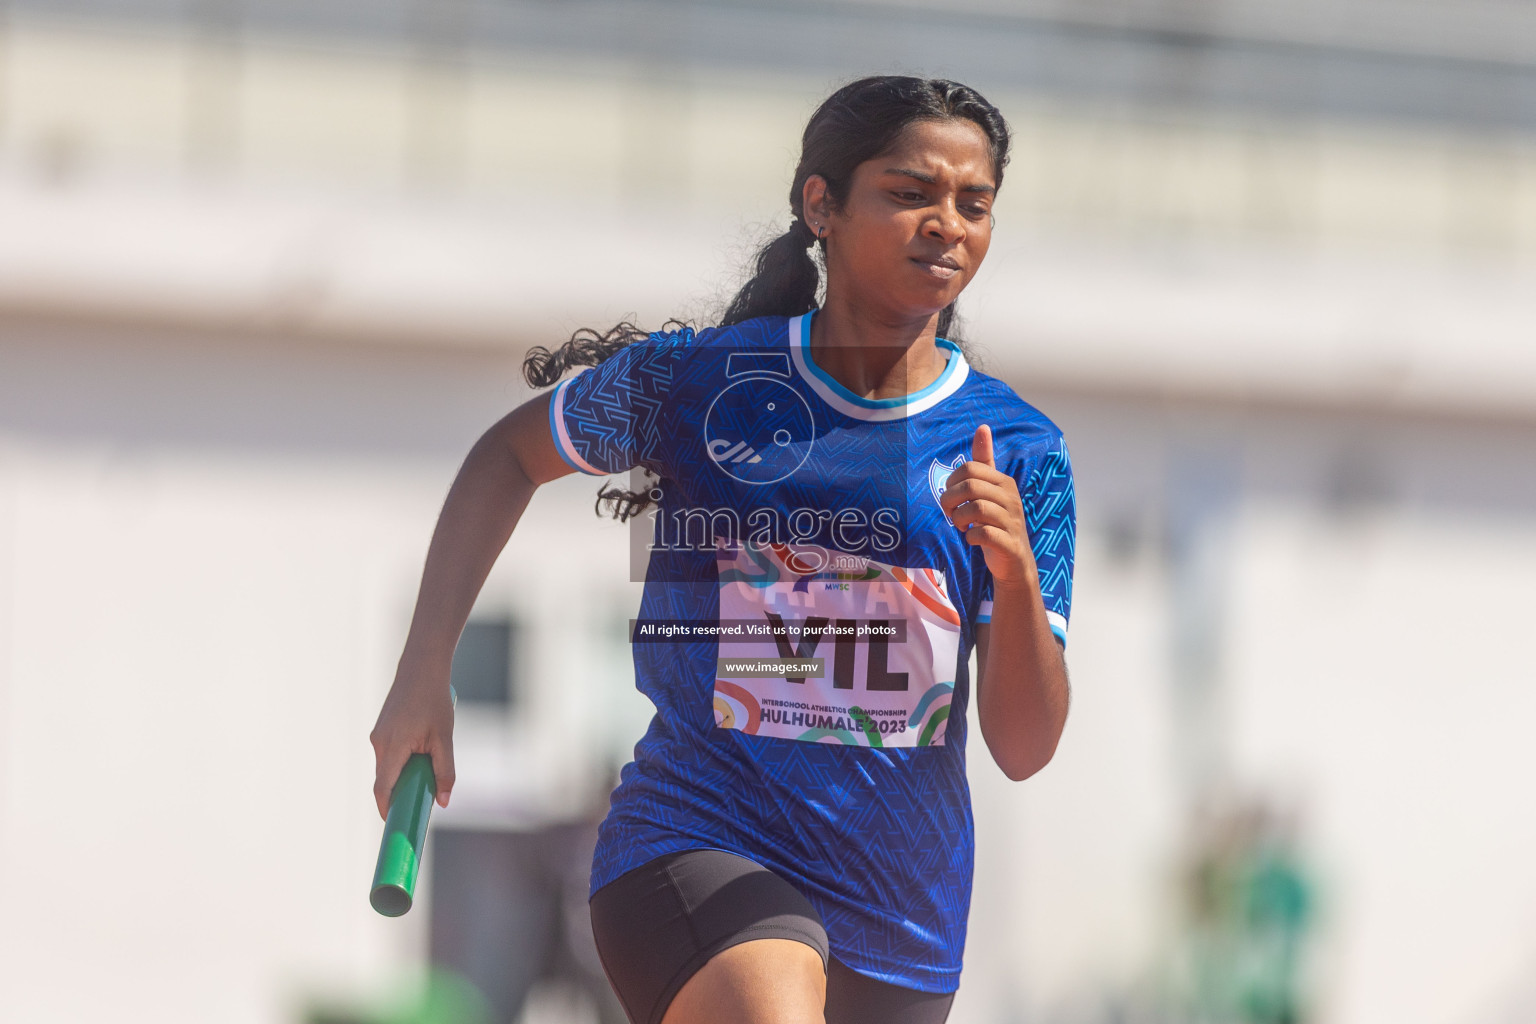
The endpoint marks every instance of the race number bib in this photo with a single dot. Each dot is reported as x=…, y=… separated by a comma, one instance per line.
x=825, y=646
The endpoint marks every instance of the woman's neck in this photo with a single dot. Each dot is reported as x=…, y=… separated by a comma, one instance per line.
x=875, y=356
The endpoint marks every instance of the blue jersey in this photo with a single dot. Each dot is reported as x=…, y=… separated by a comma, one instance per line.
x=807, y=621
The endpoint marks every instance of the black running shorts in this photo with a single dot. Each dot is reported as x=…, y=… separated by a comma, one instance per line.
x=658, y=924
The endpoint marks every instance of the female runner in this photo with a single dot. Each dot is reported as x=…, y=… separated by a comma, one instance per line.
x=843, y=509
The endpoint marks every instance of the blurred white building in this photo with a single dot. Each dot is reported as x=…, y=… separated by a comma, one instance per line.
x=268, y=269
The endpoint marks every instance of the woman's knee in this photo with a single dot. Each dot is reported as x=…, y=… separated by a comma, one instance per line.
x=761, y=981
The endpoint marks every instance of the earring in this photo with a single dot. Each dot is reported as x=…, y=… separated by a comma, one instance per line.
x=820, y=231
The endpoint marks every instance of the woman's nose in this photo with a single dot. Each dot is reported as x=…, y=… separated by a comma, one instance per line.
x=947, y=224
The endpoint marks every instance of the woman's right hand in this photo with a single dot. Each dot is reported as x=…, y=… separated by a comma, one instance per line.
x=483, y=506
x=417, y=718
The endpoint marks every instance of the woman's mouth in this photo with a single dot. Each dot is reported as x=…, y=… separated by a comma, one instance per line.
x=941, y=267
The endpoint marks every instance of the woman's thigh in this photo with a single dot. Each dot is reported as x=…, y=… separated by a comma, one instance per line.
x=762, y=981
x=658, y=925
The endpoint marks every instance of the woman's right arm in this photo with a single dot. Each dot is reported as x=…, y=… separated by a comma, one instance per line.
x=486, y=500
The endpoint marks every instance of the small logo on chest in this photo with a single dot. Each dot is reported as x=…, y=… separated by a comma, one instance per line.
x=938, y=478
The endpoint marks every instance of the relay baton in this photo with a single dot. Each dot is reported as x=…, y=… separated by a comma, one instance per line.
x=405, y=834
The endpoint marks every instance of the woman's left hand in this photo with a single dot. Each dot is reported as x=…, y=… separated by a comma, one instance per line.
x=984, y=503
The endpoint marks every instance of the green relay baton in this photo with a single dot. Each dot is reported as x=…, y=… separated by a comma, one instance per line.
x=405, y=834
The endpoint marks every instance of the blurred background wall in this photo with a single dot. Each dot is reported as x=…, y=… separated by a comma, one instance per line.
x=268, y=268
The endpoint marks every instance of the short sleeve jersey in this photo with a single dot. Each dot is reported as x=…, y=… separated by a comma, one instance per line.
x=807, y=621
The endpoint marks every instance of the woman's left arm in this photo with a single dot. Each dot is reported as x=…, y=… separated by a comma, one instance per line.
x=1022, y=693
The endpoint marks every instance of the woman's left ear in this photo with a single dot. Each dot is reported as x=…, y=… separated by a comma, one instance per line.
x=813, y=200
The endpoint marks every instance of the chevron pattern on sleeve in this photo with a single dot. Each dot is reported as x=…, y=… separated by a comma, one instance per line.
x=1051, y=517
x=613, y=411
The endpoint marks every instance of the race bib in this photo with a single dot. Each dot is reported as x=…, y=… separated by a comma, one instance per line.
x=825, y=646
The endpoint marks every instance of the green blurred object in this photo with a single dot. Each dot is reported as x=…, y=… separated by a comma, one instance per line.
x=446, y=997
x=436, y=995
x=405, y=834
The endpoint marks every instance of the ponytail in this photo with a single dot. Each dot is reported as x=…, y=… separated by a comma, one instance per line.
x=784, y=282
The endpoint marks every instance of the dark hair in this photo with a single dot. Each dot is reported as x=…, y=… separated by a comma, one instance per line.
x=856, y=123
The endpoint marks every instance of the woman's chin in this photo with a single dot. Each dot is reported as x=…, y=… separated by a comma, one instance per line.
x=928, y=301
x=937, y=291
x=915, y=300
